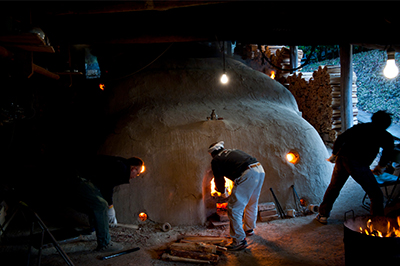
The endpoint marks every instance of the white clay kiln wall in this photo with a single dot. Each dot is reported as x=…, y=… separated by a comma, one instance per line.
x=163, y=120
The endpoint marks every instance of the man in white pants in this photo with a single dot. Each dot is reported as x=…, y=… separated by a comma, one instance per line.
x=248, y=176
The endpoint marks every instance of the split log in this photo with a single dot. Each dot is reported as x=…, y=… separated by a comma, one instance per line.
x=166, y=256
x=204, y=238
x=269, y=218
x=132, y=226
x=266, y=206
x=267, y=213
x=45, y=72
x=195, y=255
x=202, y=247
x=216, y=224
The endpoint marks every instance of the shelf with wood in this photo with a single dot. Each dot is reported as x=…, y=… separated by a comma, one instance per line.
x=26, y=41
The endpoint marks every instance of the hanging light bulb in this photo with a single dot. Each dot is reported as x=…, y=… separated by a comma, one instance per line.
x=224, y=78
x=390, y=71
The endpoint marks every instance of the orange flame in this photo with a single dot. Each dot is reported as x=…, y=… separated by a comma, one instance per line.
x=143, y=169
x=228, y=186
x=222, y=206
x=272, y=75
x=390, y=231
x=102, y=87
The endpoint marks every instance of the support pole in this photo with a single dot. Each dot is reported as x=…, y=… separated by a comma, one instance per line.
x=346, y=82
x=294, y=58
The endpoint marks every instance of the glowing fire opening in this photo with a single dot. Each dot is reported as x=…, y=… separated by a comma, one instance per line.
x=222, y=206
x=272, y=74
x=228, y=186
x=292, y=157
x=142, y=216
x=390, y=231
x=142, y=169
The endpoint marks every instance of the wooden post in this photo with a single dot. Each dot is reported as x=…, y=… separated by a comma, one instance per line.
x=346, y=80
x=293, y=57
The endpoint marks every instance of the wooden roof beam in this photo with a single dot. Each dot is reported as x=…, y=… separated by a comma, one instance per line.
x=89, y=8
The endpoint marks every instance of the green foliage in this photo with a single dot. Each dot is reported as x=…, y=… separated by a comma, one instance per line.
x=325, y=52
x=374, y=91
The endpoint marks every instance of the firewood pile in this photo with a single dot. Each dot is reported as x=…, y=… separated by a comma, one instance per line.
x=317, y=93
x=277, y=55
x=280, y=57
x=267, y=212
x=318, y=98
x=197, y=249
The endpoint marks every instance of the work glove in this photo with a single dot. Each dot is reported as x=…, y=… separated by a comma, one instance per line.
x=112, y=220
x=378, y=170
x=332, y=159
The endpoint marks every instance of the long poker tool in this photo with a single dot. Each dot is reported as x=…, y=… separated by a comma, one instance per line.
x=120, y=253
x=280, y=210
x=298, y=201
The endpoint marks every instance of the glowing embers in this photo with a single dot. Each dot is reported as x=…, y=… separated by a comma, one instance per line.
x=142, y=216
x=302, y=202
x=228, y=187
x=222, y=206
x=292, y=157
x=388, y=230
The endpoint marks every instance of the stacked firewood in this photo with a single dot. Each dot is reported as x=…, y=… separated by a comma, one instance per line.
x=197, y=249
x=318, y=98
x=278, y=55
x=267, y=212
x=317, y=93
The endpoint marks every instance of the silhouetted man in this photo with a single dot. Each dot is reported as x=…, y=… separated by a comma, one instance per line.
x=353, y=153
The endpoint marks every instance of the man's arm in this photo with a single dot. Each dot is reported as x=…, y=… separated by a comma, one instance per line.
x=218, y=177
x=387, y=150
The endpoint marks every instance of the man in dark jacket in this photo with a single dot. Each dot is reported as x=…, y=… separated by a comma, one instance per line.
x=353, y=153
x=94, y=187
x=248, y=176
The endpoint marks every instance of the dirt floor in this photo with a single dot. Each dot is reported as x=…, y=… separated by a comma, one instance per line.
x=292, y=241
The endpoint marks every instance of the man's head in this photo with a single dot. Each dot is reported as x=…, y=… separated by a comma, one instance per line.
x=137, y=166
x=215, y=148
x=382, y=119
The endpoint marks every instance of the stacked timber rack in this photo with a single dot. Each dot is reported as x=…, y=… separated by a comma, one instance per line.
x=318, y=98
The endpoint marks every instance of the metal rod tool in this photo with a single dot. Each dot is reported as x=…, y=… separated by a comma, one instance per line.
x=280, y=210
x=120, y=253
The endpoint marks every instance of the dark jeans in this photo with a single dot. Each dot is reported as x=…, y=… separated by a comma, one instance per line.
x=363, y=175
x=91, y=199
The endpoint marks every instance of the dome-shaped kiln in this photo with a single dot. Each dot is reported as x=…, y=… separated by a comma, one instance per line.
x=164, y=121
